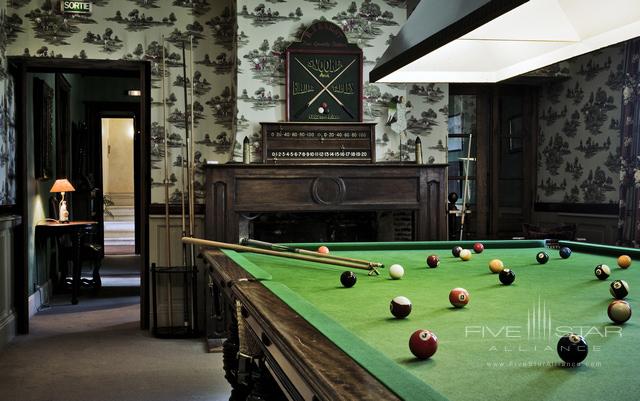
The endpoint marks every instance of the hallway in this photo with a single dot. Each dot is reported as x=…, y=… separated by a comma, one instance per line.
x=96, y=351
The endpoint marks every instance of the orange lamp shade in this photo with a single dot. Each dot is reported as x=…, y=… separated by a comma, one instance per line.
x=62, y=185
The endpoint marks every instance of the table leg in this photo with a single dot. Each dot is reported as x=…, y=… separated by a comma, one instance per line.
x=77, y=267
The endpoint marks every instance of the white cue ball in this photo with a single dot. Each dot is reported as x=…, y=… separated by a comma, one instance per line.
x=396, y=272
x=321, y=110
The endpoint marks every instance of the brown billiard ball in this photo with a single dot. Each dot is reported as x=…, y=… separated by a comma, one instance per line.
x=423, y=344
x=619, y=311
x=433, y=261
x=400, y=307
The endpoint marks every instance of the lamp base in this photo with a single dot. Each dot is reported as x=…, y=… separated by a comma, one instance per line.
x=63, y=215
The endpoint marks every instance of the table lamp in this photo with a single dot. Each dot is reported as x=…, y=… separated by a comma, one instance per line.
x=62, y=186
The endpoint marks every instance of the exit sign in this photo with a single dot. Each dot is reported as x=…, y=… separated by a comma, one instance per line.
x=76, y=7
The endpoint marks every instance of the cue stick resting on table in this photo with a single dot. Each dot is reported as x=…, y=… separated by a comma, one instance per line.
x=286, y=248
x=242, y=248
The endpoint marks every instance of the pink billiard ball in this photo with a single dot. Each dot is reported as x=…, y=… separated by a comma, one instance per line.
x=323, y=249
x=459, y=297
x=423, y=344
x=478, y=247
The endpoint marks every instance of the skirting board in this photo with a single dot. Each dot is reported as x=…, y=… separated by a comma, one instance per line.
x=7, y=329
x=39, y=298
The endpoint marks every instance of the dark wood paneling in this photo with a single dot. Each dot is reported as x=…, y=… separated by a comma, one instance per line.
x=233, y=189
x=588, y=208
x=305, y=362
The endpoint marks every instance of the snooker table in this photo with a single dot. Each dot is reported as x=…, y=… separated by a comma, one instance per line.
x=321, y=341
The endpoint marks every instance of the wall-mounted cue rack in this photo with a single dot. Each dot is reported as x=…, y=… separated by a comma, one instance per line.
x=326, y=143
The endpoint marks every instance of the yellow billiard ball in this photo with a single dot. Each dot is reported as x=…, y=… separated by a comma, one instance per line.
x=496, y=266
x=624, y=261
x=465, y=254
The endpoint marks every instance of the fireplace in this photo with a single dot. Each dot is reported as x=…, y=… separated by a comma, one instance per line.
x=313, y=203
x=328, y=226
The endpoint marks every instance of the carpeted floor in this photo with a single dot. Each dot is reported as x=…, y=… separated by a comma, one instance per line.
x=96, y=351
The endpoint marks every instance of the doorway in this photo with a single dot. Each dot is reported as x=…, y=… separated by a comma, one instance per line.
x=118, y=186
x=78, y=142
x=491, y=148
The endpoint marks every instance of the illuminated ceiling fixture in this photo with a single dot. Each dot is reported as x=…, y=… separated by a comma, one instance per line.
x=493, y=40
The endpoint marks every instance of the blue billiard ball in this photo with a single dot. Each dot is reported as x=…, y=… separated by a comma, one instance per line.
x=565, y=252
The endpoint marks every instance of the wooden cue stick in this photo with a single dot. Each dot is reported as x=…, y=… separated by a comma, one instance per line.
x=242, y=248
x=276, y=247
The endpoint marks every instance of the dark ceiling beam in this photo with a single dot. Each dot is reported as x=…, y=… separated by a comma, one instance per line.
x=433, y=24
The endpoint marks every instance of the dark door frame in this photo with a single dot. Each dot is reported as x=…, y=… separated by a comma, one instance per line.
x=487, y=144
x=19, y=67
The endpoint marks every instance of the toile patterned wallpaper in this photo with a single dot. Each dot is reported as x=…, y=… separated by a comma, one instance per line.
x=223, y=112
x=266, y=27
x=579, y=138
x=132, y=30
x=7, y=120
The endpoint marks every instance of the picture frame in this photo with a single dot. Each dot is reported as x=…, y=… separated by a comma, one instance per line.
x=43, y=129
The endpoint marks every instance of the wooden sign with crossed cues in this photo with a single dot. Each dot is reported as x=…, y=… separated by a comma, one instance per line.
x=324, y=76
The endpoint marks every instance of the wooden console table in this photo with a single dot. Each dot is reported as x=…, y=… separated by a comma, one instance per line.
x=234, y=189
x=76, y=230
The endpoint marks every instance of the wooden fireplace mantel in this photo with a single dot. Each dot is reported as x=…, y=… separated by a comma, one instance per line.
x=233, y=189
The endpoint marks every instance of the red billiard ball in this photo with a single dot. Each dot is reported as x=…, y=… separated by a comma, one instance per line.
x=400, y=307
x=459, y=297
x=478, y=247
x=323, y=249
x=423, y=344
x=433, y=261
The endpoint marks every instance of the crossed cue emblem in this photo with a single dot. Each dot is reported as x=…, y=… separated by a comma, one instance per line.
x=324, y=88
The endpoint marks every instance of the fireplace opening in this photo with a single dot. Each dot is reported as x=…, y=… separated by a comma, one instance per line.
x=369, y=226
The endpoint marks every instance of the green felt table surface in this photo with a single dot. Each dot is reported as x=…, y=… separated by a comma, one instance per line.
x=501, y=346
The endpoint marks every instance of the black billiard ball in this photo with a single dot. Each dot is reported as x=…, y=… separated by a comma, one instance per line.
x=348, y=279
x=433, y=261
x=565, y=252
x=456, y=251
x=400, y=307
x=572, y=349
x=542, y=257
x=602, y=272
x=507, y=276
x=619, y=289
